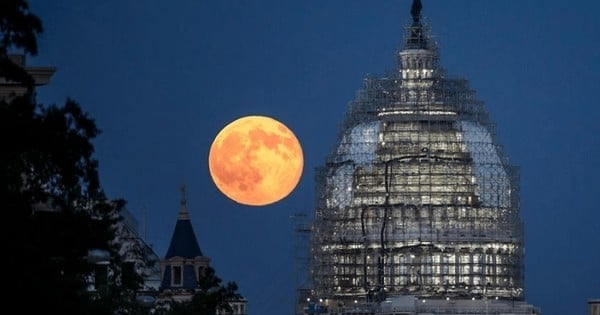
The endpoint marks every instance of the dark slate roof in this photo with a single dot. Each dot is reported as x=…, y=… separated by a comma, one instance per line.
x=183, y=241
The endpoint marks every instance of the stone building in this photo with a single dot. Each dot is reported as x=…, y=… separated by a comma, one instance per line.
x=184, y=265
x=417, y=201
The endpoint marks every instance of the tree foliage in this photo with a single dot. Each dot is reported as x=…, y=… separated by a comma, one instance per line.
x=53, y=207
x=210, y=296
x=19, y=29
x=54, y=210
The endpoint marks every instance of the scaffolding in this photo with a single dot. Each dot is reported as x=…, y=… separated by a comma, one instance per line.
x=303, y=284
x=417, y=196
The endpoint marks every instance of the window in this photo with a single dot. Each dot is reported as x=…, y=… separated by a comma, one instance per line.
x=177, y=275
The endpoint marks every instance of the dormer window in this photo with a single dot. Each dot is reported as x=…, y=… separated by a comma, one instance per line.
x=177, y=276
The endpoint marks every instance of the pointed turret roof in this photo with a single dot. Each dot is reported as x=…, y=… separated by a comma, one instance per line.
x=183, y=242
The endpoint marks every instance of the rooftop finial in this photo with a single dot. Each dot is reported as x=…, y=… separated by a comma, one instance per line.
x=182, y=190
x=415, y=11
x=183, y=212
x=416, y=38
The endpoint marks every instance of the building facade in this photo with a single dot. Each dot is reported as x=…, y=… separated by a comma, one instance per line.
x=139, y=256
x=184, y=265
x=417, y=198
x=594, y=306
x=40, y=75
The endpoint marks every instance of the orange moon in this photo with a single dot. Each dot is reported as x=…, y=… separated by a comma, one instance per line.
x=256, y=161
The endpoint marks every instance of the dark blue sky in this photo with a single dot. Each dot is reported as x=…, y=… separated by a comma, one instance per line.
x=161, y=79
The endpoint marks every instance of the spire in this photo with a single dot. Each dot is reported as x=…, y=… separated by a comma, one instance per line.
x=183, y=212
x=416, y=38
x=183, y=242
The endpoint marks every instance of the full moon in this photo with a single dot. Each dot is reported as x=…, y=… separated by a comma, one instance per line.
x=256, y=161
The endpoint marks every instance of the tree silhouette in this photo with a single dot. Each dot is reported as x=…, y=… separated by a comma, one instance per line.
x=54, y=211
x=211, y=295
x=19, y=29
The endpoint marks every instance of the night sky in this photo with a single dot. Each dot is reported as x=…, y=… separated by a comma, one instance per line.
x=162, y=78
